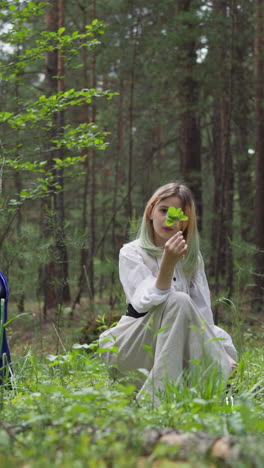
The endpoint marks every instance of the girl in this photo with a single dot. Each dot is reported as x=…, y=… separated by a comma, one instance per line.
x=168, y=325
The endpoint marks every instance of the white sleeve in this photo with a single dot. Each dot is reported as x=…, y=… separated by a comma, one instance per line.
x=138, y=281
x=200, y=293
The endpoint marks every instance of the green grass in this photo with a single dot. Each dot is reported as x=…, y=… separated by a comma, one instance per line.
x=63, y=410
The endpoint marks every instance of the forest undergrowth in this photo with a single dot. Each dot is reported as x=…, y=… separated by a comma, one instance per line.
x=60, y=408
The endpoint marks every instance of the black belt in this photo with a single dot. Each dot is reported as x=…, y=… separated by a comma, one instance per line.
x=131, y=312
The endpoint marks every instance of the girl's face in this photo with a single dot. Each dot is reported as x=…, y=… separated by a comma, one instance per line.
x=161, y=232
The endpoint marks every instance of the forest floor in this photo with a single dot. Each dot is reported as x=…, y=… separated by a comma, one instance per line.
x=63, y=410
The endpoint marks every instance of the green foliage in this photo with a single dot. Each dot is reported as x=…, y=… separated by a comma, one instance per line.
x=63, y=410
x=82, y=137
x=45, y=107
x=35, y=157
x=38, y=114
x=174, y=215
x=20, y=33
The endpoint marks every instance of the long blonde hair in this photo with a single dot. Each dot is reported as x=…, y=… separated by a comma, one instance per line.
x=189, y=228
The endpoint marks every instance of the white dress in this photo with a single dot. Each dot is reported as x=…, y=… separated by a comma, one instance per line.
x=175, y=331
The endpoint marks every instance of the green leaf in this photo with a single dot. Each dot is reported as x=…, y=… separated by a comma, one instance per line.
x=148, y=349
x=160, y=331
x=216, y=339
x=113, y=349
x=15, y=318
x=25, y=193
x=174, y=215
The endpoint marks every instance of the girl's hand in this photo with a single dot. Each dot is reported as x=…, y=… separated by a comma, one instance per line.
x=176, y=247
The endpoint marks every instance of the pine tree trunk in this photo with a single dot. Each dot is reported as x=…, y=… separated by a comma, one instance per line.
x=134, y=38
x=119, y=151
x=18, y=187
x=62, y=285
x=55, y=273
x=189, y=127
x=48, y=272
x=92, y=246
x=241, y=118
x=259, y=102
x=84, y=118
x=222, y=230
x=131, y=136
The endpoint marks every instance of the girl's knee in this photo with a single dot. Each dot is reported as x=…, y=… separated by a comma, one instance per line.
x=178, y=299
x=181, y=303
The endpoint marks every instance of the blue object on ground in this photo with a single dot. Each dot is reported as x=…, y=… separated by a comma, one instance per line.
x=5, y=357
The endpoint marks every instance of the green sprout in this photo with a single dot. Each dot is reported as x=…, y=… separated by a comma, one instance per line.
x=174, y=215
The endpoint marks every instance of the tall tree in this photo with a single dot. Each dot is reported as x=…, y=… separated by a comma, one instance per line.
x=55, y=273
x=188, y=95
x=222, y=156
x=259, y=102
x=84, y=118
x=48, y=271
x=92, y=238
x=63, y=289
x=243, y=112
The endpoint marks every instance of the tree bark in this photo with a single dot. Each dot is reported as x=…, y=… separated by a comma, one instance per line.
x=241, y=119
x=62, y=284
x=119, y=150
x=189, y=125
x=48, y=272
x=131, y=139
x=133, y=35
x=259, y=102
x=55, y=272
x=222, y=260
x=93, y=180
x=84, y=118
x=18, y=187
